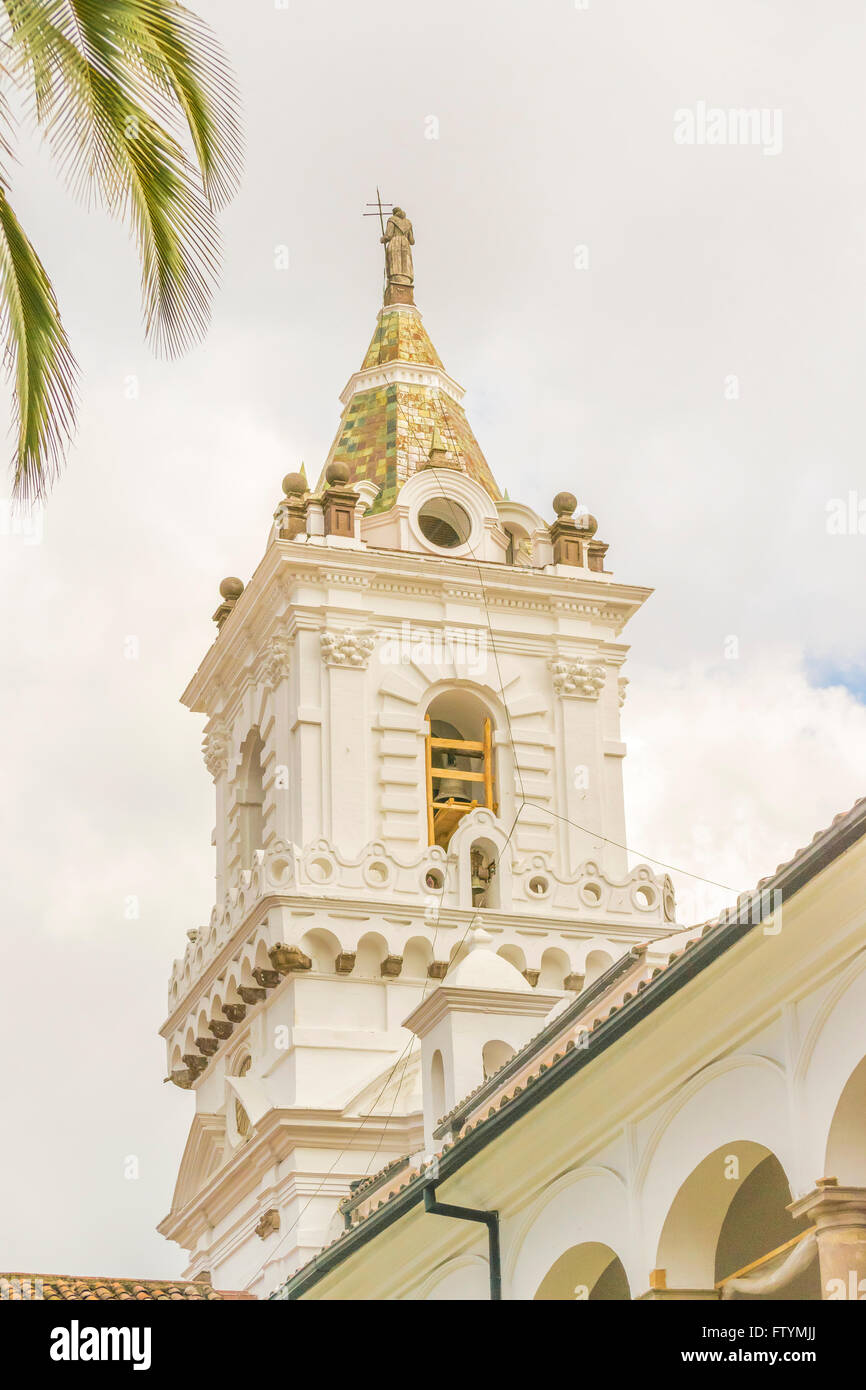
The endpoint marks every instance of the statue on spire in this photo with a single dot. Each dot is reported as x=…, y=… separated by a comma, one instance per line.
x=398, y=240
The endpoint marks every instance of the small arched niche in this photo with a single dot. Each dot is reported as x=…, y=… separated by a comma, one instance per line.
x=372, y=950
x=323, y=948
x=437, y=1085
x=417, y=957
x=459, y=759
x=250, y=797
x=519, y=550
x=597, y=962
x=494, y=1054
x=555, y=967
x=483, y=870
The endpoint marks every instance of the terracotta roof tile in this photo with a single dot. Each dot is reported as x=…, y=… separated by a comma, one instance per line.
x=63, y=1287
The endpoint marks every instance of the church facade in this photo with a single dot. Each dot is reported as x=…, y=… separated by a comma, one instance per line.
x=430, y=977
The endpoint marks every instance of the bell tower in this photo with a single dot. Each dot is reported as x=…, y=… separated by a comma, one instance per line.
x=413, y=730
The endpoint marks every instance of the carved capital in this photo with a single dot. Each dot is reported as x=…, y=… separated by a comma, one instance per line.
x=275, y=661
x=621, y=692
x=347, y=648
x=577, y=679
x=216, y=748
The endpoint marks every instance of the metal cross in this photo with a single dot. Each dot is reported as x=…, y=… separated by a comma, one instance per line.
x=378, y=205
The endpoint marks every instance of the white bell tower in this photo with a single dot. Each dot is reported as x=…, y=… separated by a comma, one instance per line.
x=413, y=731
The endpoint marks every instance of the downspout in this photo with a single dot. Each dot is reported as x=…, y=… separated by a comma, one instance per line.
x=490, y=1219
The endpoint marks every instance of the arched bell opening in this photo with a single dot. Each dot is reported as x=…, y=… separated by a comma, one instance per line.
x=459, y=762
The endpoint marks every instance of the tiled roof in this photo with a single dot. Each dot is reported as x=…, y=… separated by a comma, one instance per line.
x=386, y=430
x=400, y=336
x=93, y=1289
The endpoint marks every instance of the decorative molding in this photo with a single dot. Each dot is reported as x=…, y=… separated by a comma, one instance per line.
x=216, y=748
x=577, y=679
x=621, y=692
x=347, y=648
x=404, y=374
x=275, y=661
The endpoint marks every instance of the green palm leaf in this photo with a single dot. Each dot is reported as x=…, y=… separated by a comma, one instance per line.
x=138, y=105
x=38, y=355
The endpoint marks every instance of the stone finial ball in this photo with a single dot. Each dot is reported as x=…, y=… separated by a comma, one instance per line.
x=231, y=588
x=587, y=523
x=337, y=473
x=294, y=485
x=564, y=503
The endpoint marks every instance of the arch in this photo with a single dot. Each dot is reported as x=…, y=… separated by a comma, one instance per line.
x=494, y=1054
x=514, y=955
x=519, y=550
x=458, y=952
x=322, y=947
x=729, y=1211
x=588, y=1271
x=597, y=962
x=372, y=950
x=758, y=1221
x=465, y=1279
x=484, y=873
x=587, y=1206
x=555, y=966
x=830, y=1079
x=417, y=956
x=232, y=996
x=437, y=1085
x=744, y=1096
x=846, y=1141
x=250, y=797
x=461, y=753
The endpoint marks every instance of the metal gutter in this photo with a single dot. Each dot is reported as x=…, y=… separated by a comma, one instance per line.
x=490, y=1219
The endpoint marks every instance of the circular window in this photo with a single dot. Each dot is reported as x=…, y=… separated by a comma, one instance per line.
x=376, y=874
x=321, y=870
x=538, y=885
x=444, y=523
x=591, y=894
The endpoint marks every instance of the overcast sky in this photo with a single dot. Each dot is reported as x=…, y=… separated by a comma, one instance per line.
x=673, y=331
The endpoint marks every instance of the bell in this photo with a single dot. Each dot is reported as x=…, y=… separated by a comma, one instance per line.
x=451, y=789
x=479, y=884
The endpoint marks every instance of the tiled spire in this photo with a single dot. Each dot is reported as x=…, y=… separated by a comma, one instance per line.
x=399, y=398
x=393, y=405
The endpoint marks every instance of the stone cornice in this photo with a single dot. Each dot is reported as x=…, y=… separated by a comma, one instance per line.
x=460, y=999
x=596, y=598
x=569, y=924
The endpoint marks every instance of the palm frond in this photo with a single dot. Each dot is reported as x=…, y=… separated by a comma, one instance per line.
x=204, y=86
x=109, y=79
x=122, y=89
x=39, y=359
